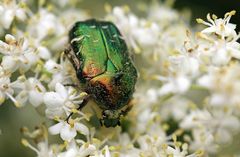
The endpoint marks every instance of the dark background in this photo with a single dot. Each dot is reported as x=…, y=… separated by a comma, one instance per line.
x=200, y=8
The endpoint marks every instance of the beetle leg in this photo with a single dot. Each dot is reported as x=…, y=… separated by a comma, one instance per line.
x=84, y=103
x=71, y=85
x=126, y=110
x=101, y=122
x=72, y=57
x=119, y=123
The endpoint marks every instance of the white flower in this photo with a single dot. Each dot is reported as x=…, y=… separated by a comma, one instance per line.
x=163, y=14
x=40, y=137
x=74, y=150
x=196, y=119
x=68, y=131
x=145, y=117
x=146, y=34
x=61, y=73
x=52, y=67
x=203, y=140
x=17, y=54
x=219, y=52
x=62, y=101
x=220, y=26
x=138, y=33
x=5, y=87
x=9, y=9
x=181, y=70
x=210, y=128
x=184, y=64
x=103, y=153
x=226, y=128
x=29, y=90
x=44, y=53
x=67, y=19
x=224, y=85
x=179, y=84
x=153, y=146
x=42, y=150
x=43, y=24
x=176, y=108
x=125, y=143
x=197, y=87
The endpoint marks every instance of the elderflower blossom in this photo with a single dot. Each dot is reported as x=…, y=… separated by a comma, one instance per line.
x=9, y=9
x=221, y=27
x=6, y=90
x=218, y=42
x=28, y=90
x=68, y=130
x=73, y=149
x=134, y=29
x=44, y=24
x=223, y=83
x=186, y=101
x=57, y=72
x=62, y=101
x=17, y=54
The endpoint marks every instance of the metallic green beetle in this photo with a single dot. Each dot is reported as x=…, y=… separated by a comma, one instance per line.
x=102, y=63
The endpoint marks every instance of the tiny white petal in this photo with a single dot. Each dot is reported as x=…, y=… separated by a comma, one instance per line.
x=51, y=66
x=22, y=98
x=88, y=151
x=60, y=89
x=35, y=98
x=53, y=112
x=20, y=14
x=52, y=99
x=9, y=63
x=166, y=88
x=10, y=38
x=81, y=128
x=67, y=132
x=183, y=84
x=71, y=152
x=7, y=18
x=44, y=53
x=55, y=129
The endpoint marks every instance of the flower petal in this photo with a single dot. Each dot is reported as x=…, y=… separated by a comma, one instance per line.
x=81, y=128
x=35, y=98
x=9, y=63
x=55, y=129
x=61, y=90
x=53, y=100
x=67, y=133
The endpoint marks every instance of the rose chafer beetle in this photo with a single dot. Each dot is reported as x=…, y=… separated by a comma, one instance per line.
x=101, y=60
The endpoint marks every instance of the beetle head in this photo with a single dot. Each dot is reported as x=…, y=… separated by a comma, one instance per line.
x=111, y=118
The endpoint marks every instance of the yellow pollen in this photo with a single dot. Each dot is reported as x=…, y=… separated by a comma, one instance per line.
x=71, y=123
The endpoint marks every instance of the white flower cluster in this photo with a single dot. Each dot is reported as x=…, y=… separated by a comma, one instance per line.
x=187, y=95
x=198, y=77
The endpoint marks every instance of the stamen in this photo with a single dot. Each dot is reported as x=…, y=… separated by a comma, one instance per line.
x=27, y=144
